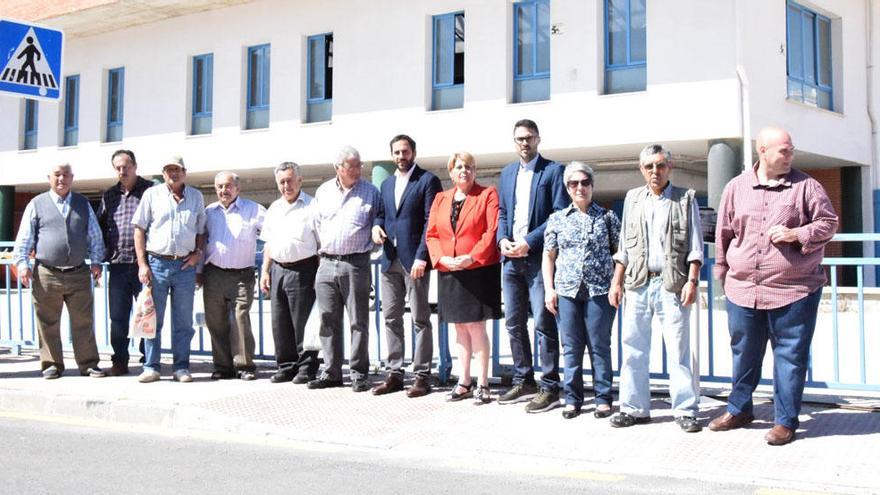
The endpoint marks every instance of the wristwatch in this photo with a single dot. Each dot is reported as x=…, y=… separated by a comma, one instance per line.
x=694, y=281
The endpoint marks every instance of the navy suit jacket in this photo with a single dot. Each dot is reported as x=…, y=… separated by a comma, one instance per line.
x=547, y=195
x=406, y=226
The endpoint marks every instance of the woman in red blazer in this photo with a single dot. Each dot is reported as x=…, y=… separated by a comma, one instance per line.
x=461, y=243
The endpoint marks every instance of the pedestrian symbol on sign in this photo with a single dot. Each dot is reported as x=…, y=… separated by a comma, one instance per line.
x=30, y=60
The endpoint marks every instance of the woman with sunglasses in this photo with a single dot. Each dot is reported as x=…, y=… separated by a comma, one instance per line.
x=577, y=269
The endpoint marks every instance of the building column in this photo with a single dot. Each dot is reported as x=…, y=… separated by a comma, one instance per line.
x=381, y=171
x=724, y=163
x=7, y=208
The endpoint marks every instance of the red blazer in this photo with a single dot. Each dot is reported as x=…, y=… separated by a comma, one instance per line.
x=477, y=226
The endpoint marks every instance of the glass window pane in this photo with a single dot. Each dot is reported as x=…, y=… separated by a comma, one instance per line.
x=328, y=66
x=638, y=36
x=448, y=97
x=525, y=36
x=443, y=55
x=70, y=98
x=199, y=85
x=824, y=53
x=264, y=75
x=616, y=26
x=823, y=100
x=316, y=67
x=537, y=89
x=809, y=44
x=253, y=78
x=458, y=70
x=795, y=44
x=209, y=84
x=542, y=64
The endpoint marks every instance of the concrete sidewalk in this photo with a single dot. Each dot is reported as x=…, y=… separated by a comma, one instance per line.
x=836, y=450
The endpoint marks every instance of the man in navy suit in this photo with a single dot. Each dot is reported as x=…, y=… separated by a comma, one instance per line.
x=530, y=189
x=400, y=228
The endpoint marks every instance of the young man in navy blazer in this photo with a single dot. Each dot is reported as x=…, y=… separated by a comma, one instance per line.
x=400, y=227
x=530, y=189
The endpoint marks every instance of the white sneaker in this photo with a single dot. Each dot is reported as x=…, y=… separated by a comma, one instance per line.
x=149, y=376
x=182, y=376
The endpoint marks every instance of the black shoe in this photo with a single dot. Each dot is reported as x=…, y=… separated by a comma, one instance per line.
x=300, y=379
x=602, y=413
x=543, y=402
x=571, y=412
x=688, y=424
x=518, y=393
x=361, y=385
x=281, y=377
x=51, y=373
x=247, y=375
x=324, y=382
x=94, y=372
x=624, y=420
x=221, y=375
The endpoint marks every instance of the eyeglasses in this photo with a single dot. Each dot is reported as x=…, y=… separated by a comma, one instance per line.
x=572, y=184
x=655, y=166
x=524, y=139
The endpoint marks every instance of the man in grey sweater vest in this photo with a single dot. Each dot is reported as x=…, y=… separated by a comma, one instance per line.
x=62, y=230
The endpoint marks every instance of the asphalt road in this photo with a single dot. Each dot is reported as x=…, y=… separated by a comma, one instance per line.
x=57, y=456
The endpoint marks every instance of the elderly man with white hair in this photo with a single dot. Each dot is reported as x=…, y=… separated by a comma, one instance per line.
x=343, y=214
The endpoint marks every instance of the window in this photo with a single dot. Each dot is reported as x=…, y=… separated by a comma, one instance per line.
x=258, y=87
x=531, y=51
x=31, y=111
x=448, y=71
x=115, y=90
x=71, y=111
x=319, y=94
x=625, y=51
x=809, y=57
x=202, y=93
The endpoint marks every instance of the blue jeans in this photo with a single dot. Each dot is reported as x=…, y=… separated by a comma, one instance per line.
x=790, y=331
x=522, y=287
x=180, y=285
x=122, y=288
x=586, y=322
x=684, y=388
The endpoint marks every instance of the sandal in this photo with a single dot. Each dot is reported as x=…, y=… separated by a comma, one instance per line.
x=570, y=411
x=481, y=396
x=454, y=396
x=602, y=411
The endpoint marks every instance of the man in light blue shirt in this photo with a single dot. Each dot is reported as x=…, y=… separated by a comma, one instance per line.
x=61, y=228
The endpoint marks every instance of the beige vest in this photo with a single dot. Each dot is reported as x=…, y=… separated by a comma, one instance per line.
x=675, y=271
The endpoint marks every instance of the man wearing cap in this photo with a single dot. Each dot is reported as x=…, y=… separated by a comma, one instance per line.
x=169, y=235
x=232, y=225
x=118, y=204
x=62, y=230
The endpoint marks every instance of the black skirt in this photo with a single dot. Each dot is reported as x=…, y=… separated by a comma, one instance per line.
x=470, y=295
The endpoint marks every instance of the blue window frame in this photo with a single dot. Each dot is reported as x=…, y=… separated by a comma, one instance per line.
x=115, y=98
x=625, y=46
x=447, y=81
x=531, y=50
x=202, y=93
x=31, y=116
x=319, y=76
x=809, y=57
x=71, y=111
x=258, y=87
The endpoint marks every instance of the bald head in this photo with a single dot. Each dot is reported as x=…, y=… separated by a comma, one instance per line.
x=775, y=152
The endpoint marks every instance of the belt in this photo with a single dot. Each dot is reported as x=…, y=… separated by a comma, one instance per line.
x=654, y=274
x=344, y=257
x=231, y=270
x=298, y=263
x=166, y=256
x=64, y=269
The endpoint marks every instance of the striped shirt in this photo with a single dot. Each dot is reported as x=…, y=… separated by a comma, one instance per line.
x=344, y=218
x=231, y=233
x=171, y=227
x=755, y=272
x=115, y=214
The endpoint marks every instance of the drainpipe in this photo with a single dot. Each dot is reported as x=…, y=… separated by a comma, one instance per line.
x=745, y=117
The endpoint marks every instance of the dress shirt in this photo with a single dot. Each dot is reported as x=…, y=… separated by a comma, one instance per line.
x=288, y=230
x=582, y=241
x=171, y=227
x=231, y=233
x=400, y=182
x=25, y=242
x=344, y=217
x=115, y=215
x=523, y=195
x=656, y=209
x=756, y=272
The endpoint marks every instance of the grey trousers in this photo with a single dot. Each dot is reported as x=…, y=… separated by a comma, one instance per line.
x=51, y=291
x=344, y=284
x=396, y=286
x=232, y=345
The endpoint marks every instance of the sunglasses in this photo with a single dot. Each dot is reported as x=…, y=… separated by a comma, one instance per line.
x=572, y=184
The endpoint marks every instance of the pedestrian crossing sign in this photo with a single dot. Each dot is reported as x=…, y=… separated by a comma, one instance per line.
x=30, y=60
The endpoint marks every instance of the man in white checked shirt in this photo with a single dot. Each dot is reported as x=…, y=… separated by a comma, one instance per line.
x=232, y=225
x=345, y=208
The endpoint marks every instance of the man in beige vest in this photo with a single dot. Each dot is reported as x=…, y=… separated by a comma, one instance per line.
x=658, y=263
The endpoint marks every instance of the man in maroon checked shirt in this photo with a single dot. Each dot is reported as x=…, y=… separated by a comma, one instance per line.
x=773, y=224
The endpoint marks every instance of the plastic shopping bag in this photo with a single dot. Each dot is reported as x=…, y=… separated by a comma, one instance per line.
x=144, y=322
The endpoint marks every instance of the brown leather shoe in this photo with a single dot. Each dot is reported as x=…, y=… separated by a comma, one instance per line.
x=728, y=421
x=779, y=435
x=419, y=388
x=393, y=383
x=118, y=369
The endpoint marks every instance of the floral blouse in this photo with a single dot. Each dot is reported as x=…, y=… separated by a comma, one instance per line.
x=583, y=244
